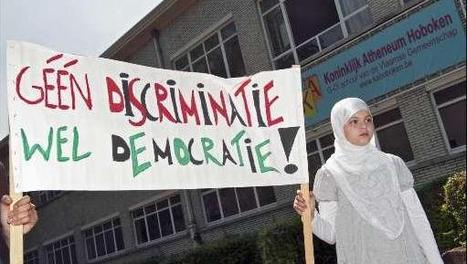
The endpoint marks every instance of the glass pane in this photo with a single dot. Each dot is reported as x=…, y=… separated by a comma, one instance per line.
x=307, y=50
x=228, y=30
x=310, y=17
x=314, y=163
x=149, y=209
x=153, y=227
x=116, y=221
x=394, y=140
x=197, y=52
x=246, y=199
x=350, y=6
x=327, y=140
x=450, y=93
x=277, y=32
x=331, y=36
x=200, y=65
x=266, y=4
x=212, y=207
x=359, y=21
x=90, y=248
x=327, y=153
x=58, y=257
x=109, y=241
x=234, y=57
x=97, y=229
x=211, y=42
x=179, y=220
x=174, y=199
x=311, y=146
x=266, y=195
x=285, y=61
x=119, y=238
x=107, y=225
x=166, y=223
x=88, y=233
x=140, y=230
x=66, y=256
x=453, y=117
x=216, y=63
x=387, y=117
x=181, y=63
x=73, y=253
x=228, y=202
x=162, y=204
x=138, y=212
x=100, y=245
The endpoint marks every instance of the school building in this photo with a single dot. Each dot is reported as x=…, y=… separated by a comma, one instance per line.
x=406, y=58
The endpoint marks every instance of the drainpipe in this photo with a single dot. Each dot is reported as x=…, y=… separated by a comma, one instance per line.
x=157, y=48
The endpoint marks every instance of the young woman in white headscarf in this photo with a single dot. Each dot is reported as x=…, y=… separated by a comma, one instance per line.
x=366, y=201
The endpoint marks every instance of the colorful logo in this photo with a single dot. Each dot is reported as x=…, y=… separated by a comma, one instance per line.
x=311, y=96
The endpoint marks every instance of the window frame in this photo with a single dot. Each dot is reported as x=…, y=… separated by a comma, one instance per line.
x=185, y=52
x=54, y=240
x=163, y=197
x=97, y=223
x=240, y=214
x=438, y=115
x=293, y=46
x=31, y=250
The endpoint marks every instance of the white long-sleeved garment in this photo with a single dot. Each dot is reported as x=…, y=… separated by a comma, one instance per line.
x=324, y=224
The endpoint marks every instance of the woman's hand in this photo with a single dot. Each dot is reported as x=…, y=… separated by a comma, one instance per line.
x=23, y=213
x=299, y=204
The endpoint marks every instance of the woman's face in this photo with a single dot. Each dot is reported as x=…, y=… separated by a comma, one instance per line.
x=359, y=129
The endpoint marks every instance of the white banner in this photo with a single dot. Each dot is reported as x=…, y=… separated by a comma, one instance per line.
x=79, y=123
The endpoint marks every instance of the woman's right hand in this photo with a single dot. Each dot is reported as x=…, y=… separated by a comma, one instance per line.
x=299, y=203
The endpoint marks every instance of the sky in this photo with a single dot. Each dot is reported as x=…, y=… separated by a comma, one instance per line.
x=81, y=27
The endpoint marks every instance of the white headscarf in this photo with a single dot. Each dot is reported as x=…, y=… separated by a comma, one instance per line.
x=366, y=176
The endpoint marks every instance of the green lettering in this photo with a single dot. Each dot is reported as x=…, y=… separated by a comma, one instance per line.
x=236, y=141
x=29, y=151
x=75, y=155
x=137, y=169
x=262, y=157
x=208, y=144
x=181, y=152
x=60, y=141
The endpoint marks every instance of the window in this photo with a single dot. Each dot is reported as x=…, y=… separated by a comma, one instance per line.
x=391, y=136
x=450, y=106
x=298, y=29
x=47, y=196
x=158, y=219
x=104, y=239
x=219, y=54
x=31, y=257
x=61, y=251
x=222, y=203
x=319, y=150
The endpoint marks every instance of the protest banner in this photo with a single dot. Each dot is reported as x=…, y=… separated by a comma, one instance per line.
x=81, y=123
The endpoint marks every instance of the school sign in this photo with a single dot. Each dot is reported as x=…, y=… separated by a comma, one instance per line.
x=418, y=45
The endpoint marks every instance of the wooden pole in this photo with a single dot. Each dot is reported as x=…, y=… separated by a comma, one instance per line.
x=307, y=228
x=16, y=232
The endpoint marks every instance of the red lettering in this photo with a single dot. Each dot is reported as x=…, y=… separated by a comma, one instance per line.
x=19, y=77
x=134, y=101
x=188, y=109
x=161, y=95
x=218, y=108
x=268, y=103
x=60, y=88
x=112, y=91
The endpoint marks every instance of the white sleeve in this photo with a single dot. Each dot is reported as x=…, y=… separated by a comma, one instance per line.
x=421, y=226
x=323, y=222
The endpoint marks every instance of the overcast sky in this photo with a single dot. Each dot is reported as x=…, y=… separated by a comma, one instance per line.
x=82, y=27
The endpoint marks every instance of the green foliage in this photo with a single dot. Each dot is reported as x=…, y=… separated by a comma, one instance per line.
x=235, y=250
x=454, y=204
x=282, y=243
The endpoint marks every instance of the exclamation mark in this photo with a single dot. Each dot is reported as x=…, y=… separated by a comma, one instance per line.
x=288, y=135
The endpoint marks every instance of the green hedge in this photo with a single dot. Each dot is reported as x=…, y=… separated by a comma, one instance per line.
x=234, y=250
x=282, y=243
x=454, y=205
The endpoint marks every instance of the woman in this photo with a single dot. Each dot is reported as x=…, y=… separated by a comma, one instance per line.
x=23, y=213
x=366, y=201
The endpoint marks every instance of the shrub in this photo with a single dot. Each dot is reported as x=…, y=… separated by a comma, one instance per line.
x=454, y=204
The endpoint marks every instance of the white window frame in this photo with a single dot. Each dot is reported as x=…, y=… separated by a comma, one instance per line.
x=52, y=241
x=438, y=116
x=240, y=213
x=97, y=223
x=215, y=31
x=155, y=201
x=293, y=46
x=409, y=163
